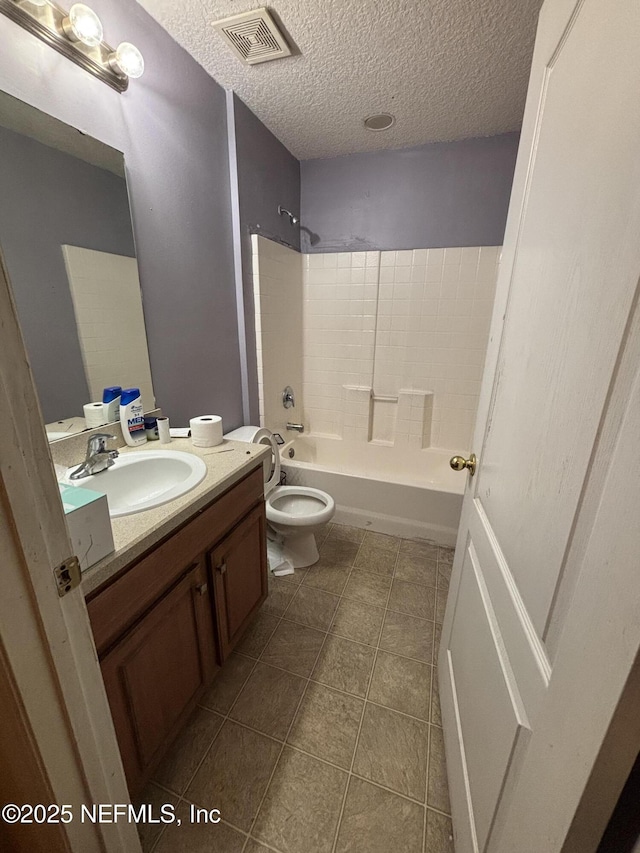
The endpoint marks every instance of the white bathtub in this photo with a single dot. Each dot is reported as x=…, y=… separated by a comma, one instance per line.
x=411, y=493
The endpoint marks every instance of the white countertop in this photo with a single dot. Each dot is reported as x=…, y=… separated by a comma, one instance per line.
x=135, y=534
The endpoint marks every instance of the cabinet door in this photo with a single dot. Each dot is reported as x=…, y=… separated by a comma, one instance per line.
x=155, y=672
x=239, y=570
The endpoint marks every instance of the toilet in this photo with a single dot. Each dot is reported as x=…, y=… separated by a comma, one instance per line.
x=294, y=513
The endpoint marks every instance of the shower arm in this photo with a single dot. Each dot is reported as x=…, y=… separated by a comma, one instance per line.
x=294, y=220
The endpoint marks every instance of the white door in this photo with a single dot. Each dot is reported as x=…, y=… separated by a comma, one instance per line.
x=54, y=697
x=543, y=620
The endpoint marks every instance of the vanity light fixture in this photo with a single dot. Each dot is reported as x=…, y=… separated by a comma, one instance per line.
x=82, y=24
x=127, y=59
x=77, y=34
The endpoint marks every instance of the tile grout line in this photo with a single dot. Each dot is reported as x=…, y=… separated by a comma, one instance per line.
x=428, y=722
x=364, y=708
x=426, y=787
x=332, y=687
x=304, y=693
x=284, y=742
x=233, y=704
x=327, y=634
x=319, y=757
x=293, y=718
x=359, y=642
x=294, y=748
x=225, y=717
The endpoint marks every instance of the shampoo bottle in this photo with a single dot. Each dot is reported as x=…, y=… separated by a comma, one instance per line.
x=131, y=417
x=111, y=404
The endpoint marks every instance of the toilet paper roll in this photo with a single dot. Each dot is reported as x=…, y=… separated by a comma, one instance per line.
x=206, y=430
x=93, y=414
x=163, y=431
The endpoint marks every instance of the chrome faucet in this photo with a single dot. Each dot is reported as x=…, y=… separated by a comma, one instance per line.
x=98, y=457
x=296, y=427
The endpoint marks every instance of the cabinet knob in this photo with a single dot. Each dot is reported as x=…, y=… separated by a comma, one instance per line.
x=222, y=568
x=202, y=589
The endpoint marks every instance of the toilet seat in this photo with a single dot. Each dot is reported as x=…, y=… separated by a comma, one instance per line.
x=299, y=506
x=260, y=435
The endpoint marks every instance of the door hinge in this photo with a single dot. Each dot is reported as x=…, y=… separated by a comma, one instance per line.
x=67, y=575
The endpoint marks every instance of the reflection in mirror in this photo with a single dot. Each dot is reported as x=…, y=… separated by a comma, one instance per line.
x=67, y=243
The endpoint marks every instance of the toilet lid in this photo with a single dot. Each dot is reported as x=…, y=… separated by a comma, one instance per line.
x=260, y=435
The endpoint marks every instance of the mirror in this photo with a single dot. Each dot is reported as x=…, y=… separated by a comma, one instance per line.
x=67, y=243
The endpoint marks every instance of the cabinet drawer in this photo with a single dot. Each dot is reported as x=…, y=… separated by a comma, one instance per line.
x=117, y=606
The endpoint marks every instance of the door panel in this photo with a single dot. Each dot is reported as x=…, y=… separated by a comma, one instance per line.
x=489, y=706
x=557, y=393
x=568, y=311
x=526, y=651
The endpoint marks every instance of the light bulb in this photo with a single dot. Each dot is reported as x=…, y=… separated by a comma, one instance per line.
x=128, y=60
x=83, y=25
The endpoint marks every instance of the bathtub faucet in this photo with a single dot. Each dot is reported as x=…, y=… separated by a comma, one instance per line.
x=296, y=427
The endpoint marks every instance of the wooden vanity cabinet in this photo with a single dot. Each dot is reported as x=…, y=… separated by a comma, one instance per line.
x=238, y=589
x=154, y=674
x=164, y=625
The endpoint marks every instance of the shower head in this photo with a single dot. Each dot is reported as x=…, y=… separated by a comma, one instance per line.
x=314, y=238
x=294, y=220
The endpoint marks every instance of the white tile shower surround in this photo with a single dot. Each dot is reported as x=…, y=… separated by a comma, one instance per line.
x=423, y=327
x=277, y=289
x=386, y=324
x=112, y=333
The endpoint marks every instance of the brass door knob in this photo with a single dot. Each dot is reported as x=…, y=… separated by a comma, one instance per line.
x=459, y=463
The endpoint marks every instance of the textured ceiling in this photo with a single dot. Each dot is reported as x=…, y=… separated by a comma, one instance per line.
x=446, y=69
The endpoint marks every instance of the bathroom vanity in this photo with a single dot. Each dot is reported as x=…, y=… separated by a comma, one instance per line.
x=166, y=619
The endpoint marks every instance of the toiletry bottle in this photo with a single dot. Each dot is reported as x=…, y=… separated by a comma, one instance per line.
x=131, y=417
x=111, y=404
x=151, y=428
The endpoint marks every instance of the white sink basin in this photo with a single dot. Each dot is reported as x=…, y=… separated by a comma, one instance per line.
x=143, y=480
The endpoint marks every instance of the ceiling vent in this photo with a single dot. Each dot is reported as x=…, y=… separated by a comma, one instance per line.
x=253, y=36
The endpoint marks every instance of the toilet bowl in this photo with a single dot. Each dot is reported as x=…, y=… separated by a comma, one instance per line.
x=297, y=513
x=294, y=513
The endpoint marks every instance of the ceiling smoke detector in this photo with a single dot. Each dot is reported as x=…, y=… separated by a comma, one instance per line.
x=253, y=36
x=381, y=121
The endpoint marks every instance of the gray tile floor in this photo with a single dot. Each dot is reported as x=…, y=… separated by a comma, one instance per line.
x=322, y=733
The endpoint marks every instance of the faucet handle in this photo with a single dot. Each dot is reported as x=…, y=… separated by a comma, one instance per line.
x=98, y=442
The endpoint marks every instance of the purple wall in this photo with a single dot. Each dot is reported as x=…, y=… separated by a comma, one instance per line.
x=447, y=194
x=171, y=126
x=268, y=175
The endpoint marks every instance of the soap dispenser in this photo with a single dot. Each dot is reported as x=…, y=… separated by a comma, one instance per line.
x=132, y=417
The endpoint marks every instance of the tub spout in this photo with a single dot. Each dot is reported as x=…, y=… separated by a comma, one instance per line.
x=296, y=427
